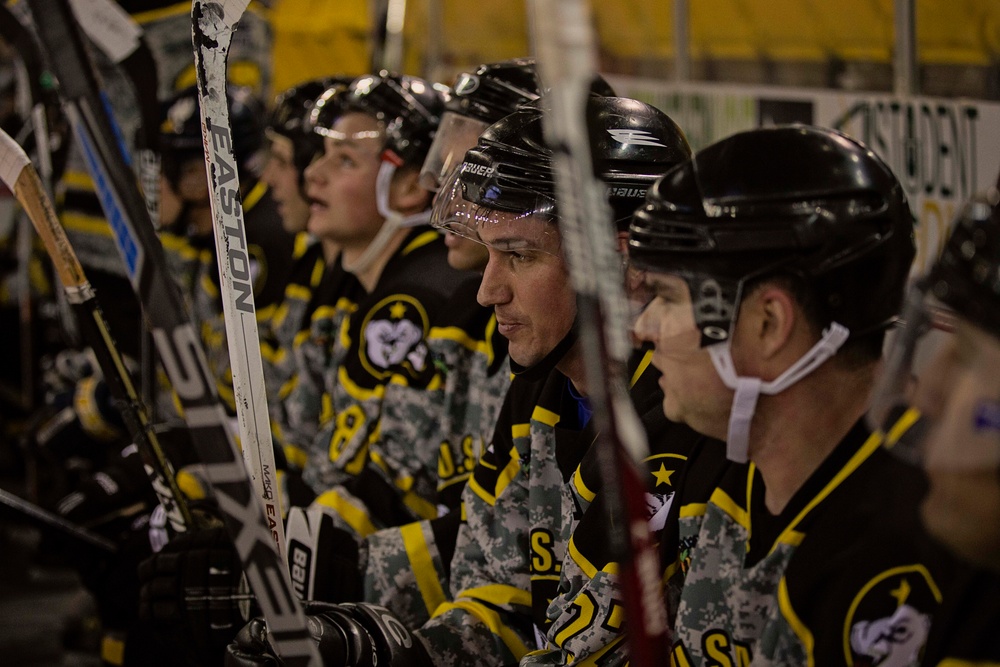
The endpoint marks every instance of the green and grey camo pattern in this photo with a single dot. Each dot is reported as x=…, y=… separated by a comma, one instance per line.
x=289, y=318
x=516, y=492
x=312, y=356
x=724, y=606
x=412, y=401
x=390, y=575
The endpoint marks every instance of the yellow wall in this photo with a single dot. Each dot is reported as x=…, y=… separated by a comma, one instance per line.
x=317, y=37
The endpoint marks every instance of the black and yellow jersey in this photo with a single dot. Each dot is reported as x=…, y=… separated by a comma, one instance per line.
x=844, y=575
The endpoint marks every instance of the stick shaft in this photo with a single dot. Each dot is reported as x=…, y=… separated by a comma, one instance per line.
x=212, y=29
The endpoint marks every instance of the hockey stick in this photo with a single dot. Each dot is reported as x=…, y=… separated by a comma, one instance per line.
x=213, y=24
x=121, y=39
x=14, y=32
x=564, y=46
x=177, y=341
x=22, y=179
x=18, y=507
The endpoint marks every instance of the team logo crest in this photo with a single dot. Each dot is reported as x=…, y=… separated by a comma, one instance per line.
x=889, y=621
x=393, y=338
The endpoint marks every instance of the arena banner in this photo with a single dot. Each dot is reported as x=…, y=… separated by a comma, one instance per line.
x=942, y=150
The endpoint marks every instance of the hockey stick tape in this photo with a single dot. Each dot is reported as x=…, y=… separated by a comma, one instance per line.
x=12, y=160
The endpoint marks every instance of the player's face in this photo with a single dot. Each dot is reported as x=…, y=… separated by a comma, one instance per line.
x=960, y=393
x=282, y=177
x=527, y=284
x=340, y=185
x=465, y=254
x=692, y=391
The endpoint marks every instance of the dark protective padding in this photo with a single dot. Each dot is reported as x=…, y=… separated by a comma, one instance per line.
x=967, y=276
x=410, y=108
x=632, y=144
x=807, y=201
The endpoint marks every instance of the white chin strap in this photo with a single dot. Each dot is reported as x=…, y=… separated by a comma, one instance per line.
x=748, y=389
x=394, y=220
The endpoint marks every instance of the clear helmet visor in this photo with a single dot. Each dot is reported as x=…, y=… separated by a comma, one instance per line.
x=455, y=135
x=938, y=398
x=667, y=315
x=532, y=229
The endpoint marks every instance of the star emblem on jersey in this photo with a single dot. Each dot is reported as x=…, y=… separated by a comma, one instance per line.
x=397, y=311
x=663, y=475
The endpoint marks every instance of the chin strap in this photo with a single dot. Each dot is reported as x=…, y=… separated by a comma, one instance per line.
x=394, y=220
x=748, y=389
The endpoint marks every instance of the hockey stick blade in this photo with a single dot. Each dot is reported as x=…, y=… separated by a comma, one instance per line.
x=213, y=25
x=177, y=342
x=566, y=55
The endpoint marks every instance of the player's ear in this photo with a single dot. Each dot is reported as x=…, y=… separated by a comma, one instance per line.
x=769, y=317
x=406, y=195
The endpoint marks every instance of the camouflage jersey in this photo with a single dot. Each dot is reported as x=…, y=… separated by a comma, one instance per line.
x=288, y=317
x=532, y=567
x=305, y=403
x=416, y=379
x=843, y=576
x=270, y=249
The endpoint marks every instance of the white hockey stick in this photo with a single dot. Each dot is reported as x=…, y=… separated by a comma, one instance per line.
x=213, y=24
x=567, y=63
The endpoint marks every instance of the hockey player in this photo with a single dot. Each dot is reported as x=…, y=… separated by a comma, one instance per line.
x=403, y=404
x=478, y=99
x=956, y=438
x=292, y=147
x=531, y=566
x=777, y=258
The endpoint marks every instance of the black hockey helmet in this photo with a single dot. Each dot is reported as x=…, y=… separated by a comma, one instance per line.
x=802, y=200
x=408, y=106
x=494, y=90
x=965, y=276
x=962, y=283
x=510, y=169
x=290, y=117
x=478, y=99
x=180, y=131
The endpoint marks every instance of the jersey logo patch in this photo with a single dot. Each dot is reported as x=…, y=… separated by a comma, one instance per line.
x=890, y=618
x=391, y=342
x=894, y=640
x=393, y=338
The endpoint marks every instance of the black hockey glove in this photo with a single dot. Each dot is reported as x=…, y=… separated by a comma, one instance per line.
x=336, y=575
x=347, y=635
x=191, y=594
